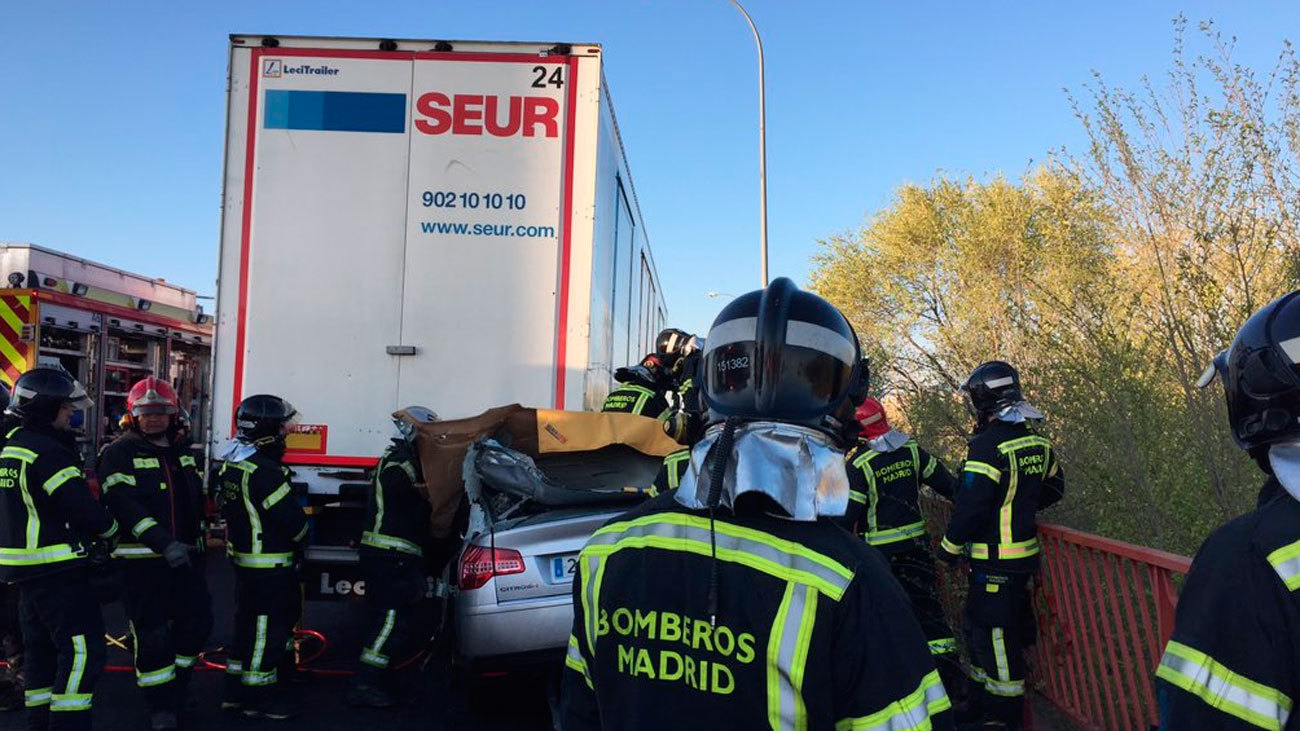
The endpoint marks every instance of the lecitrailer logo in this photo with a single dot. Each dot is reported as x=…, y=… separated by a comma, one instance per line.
x=274, y=68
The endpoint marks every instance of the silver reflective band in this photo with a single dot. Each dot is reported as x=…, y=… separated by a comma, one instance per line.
x=910, y=713
x=732, y=331
x=1292, y=349
x=1222, y=688
x=1000, y=382
x=815, y=337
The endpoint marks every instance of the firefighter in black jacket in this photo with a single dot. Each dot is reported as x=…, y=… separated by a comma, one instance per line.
x=1010, y=473
x=49, y=524
x=733, y=602
x=265, y=528
x=886, y=471
x=645, y=387
x=1233, y=661
x=392, y=558
x=154, y=490
x=11, y=633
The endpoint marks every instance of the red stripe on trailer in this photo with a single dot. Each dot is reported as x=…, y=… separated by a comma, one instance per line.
x=562, y=320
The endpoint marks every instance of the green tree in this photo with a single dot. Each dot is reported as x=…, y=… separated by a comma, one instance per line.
x=1110, y=278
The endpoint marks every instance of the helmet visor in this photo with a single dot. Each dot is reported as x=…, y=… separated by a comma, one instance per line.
x=799, y=384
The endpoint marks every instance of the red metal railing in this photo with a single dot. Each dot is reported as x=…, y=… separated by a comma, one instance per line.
x=1105, y=611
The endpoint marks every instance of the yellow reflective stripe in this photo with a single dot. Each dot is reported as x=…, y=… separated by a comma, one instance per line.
x=736, y=544
x=1008, y=503
x=863, y=463
x=1019, y=549
x=1286, y=563
x=261, y=560
x=144, y=463
x=134, y=550
x=276, y=496
x=259, y=645
x=36, y=556
x=894, y=535
x=1029, y=441
x=909, y=713
x=254, y=519
x=18, y=453
x=575, y=661
x=33, y=528
x=154, y=678
x=118, y=478
x=787, y=657
x=188, y=461
x=393, y=543
x=1000, y=654
x=1006, y=689
x=112, y=530
x=78, y=665
x=145, y=524
x=1222, y=688
x=35, y=697
x=376, y=648
x=945, y=646
x=58, y=478
x=930, y=467
x=671, y=462
x=71, y=701
x=857, y=497
x=951, y=547
x=982, y=468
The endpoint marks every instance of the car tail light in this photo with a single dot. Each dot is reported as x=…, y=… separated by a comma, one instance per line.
x=478, y=564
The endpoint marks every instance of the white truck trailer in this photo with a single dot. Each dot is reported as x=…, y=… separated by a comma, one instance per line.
x=444, y=223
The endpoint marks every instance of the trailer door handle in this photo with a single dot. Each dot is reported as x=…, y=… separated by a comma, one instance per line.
x=400, y=350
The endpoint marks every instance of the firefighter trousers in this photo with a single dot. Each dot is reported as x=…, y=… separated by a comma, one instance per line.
x=913, y=566
x=999, y=626
x=395, y=586
x=268, y=606
x=170, y=615
x=63, y=632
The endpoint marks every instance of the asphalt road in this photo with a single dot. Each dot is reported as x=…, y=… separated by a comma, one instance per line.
x=435, y=697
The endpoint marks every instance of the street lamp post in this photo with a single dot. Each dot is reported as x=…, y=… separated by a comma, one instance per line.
x=762, y=144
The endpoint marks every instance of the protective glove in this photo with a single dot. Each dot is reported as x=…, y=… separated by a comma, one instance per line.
x=177, y=555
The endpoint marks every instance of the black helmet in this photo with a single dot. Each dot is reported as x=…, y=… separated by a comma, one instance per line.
x=5, y=395
x=672, y=341
x=39, y=394
x=260, y=419
x=779, y=354
x=992, y=386
x=1262, y=378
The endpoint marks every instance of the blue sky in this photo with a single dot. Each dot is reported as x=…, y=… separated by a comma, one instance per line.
x=112, y=114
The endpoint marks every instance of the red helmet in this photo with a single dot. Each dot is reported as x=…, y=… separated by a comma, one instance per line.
x=871, y=415
x=152, y=396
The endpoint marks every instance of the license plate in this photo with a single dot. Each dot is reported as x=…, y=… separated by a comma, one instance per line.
x=564, y=567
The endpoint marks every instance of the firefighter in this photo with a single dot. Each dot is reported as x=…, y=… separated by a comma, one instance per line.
x=1010, y=473
x=732, y=602
x=1233, y=661
x=266, y=529
x=153, y=488
x=646, y=387
x=886, y=471
x=49, y=527
x=392, y=559
x=11, y=633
